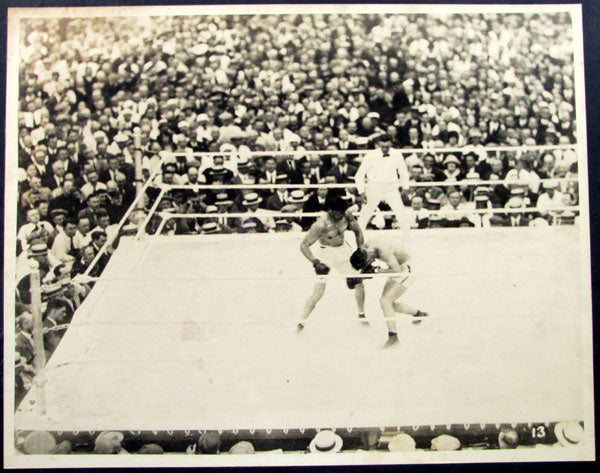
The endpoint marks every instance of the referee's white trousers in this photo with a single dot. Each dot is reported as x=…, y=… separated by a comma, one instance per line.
x=376, y=193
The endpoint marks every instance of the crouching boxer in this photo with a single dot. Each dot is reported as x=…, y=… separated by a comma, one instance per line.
x=333, y=251
x=395, y=255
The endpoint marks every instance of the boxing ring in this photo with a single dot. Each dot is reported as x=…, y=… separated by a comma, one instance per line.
x=198, y=332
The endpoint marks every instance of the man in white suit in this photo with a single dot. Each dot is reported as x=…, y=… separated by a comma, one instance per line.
x=380, y=174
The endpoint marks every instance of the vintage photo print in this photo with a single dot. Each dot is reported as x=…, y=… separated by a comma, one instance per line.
x=296, y=235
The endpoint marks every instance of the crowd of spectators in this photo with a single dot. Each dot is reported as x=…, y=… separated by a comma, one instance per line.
x=561, y=434
x=98, y=95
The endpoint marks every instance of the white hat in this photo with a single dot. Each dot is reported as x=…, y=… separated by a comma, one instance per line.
x=251, y=198
x=451, y=159
x=445, y=443
x=515, y=202
x=568, y=434
x=326, y=441
x=402, y=443
x=297, y=196
x=550, y=184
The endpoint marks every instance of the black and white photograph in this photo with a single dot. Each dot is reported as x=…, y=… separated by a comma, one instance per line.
x=277, y=235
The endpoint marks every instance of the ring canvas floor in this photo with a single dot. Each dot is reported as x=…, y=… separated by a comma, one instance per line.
x=198, y=332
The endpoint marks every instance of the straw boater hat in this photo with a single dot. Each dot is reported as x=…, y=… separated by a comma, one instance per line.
x=39, y=248
x=210, y=227
x=249, y=225
x=326, y=442
x=568, y=434
x=297, y=197
x=252, y=198
x=223, y=199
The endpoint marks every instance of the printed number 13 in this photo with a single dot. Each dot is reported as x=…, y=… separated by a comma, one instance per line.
x=538, y=432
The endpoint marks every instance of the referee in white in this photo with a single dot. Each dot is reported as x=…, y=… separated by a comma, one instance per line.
x=380, y=174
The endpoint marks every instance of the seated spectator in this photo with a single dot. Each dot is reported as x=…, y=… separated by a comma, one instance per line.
x=82, y=236
x=326, y=441
x=35, y=194
x=38, y=251
x=33, y=229
x=315, y=202
x=549, y=199
x=454, y=217
x=250, y=205
x=418, y=216
x=512, y=219
x=452, y=171
x=93, y=184
x=208, y=443
x=63, y=246
x=109, y=443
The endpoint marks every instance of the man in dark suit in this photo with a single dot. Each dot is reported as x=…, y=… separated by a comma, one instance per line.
x=71, y=167
x=342, y=171
x=126, y=168
x=305, y=176
x=217, y=172
x=99, y=238
x=42, y=164
x=314, y=203
x=344, y=141
x=58, y=175
x=289, y=166
x=278, y=199
x=110, y=174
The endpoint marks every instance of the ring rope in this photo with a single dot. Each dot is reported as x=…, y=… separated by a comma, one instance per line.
x=464, y=149
x=284, y=323
x=464, y=182
x=169, y=215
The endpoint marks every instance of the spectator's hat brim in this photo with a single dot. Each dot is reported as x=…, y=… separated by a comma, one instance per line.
x=569, y=434
x=252, y=199
x=326, y=441
x=451, y=159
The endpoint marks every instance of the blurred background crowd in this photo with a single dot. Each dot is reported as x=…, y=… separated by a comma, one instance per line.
x=98, y=95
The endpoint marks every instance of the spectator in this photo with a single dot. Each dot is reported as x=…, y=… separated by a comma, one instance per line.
x=82, y=236
x=550, y=198
x=63, y=246
x=418, y=217
x=109, y=443
x=455, y=218
x=33, y=229
x=445, y=443
x=326, y=441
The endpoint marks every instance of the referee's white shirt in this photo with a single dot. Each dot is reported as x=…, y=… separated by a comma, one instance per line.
x=376, y=168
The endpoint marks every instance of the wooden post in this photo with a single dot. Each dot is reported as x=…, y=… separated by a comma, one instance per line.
x=39, y=360
x=137, y=158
